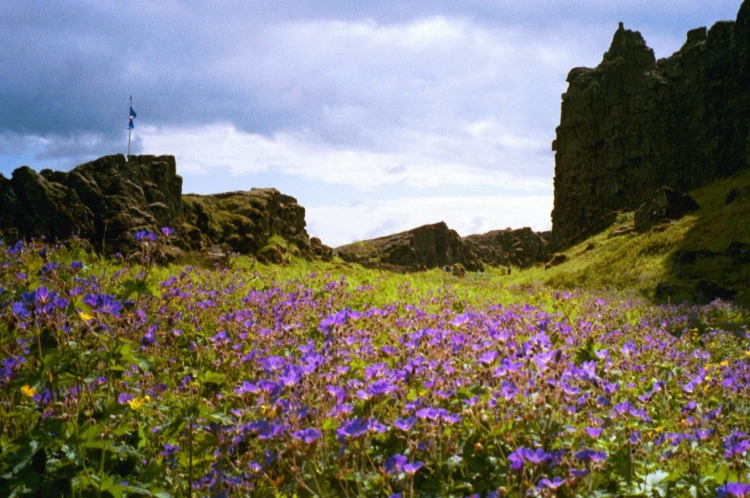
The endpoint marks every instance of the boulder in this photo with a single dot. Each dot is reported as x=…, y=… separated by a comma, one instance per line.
x=246, y=220
x=556, y=260
x=521, y=248
x=666, y=205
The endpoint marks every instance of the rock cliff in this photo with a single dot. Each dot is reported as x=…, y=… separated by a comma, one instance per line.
x=521, y=248
x=634, y=124
x=107, y=200
x=428, y=246
x=432, y=246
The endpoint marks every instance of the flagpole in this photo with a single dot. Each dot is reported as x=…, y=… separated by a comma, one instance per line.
x=130, y=129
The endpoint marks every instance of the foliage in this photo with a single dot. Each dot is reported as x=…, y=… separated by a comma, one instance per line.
x=333, y=380
x=640, y=262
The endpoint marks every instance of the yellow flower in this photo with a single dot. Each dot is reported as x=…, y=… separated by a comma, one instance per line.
x=28, y=391
x=85, y=316
x=724, y=363
x=747, y=353
x=137, y=403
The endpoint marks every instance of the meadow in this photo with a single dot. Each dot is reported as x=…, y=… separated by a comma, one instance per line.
x=124, y=378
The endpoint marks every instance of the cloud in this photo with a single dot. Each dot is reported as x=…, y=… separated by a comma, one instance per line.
x=399, y=100
x=342, y=224
x=224, y=148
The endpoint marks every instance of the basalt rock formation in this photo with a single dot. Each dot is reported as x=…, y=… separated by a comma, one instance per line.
x=433, y=246
x=246, y=220
x=428, y=246
x=634, y=124
x=104, y=201
x=107, y=200
x=521, y=248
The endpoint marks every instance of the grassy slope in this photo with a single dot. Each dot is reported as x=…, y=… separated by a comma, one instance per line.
x=642, y=261
x=637, y=262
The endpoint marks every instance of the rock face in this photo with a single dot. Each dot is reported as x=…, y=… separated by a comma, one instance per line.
x=634, y=124
x=103, y=201
x=666, y=205
x=521, y=248
x=246, y=220
x=107, y=200
x=428, y=246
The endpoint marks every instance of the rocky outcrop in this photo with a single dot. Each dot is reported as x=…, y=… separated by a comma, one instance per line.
x=428, y=246
x=107, y=200
x=665, y=206
x=104, y=201
x=521, y=248
x=246, y=221
x=634, y=124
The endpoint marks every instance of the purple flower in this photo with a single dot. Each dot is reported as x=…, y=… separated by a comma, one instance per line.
x=594, y=432
x=537, y=457
x=580, y=472
x=553, y=484
x=354, y=428
x=167, y=232
x=307, y=435
x=395, y=463
x=103, y=303
x=291, y=375
x=246, y=387
x=508, y=389
x=734, y=490
x=381, y=387
x=488, y=358
x=270, y=431
x=405, y=424
x=517, y=459
x=144, y=235
x=431, y=413
x=124, y=398
x=588, y=455
x=399, y=463
x=169, y=450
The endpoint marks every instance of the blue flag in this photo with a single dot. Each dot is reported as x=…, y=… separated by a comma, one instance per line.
x=130, y=119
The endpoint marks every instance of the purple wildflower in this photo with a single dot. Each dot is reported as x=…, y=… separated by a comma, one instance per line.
x=169, y=450
x=517, y=459
x=589, y=455
x=144, y=235
x=553, y=484
x=354, y=428
x=399, y=463
x=405, y=424
x=734, y=490
x=104, y=304
x=307, y=435
x=381, y=387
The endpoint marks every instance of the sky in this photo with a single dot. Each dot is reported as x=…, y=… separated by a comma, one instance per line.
x=377, y=116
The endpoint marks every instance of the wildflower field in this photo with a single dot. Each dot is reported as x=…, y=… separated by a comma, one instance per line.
x=124, y=379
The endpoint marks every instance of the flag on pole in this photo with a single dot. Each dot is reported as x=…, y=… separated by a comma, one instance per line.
x=130, y=119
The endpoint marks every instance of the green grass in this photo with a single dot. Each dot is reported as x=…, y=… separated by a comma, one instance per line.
x=641, y=262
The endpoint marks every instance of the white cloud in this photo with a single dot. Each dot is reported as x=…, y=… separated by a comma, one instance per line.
x=343, y=224
x=221, y=147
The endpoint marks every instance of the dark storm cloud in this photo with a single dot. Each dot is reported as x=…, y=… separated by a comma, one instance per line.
x=70, y=66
